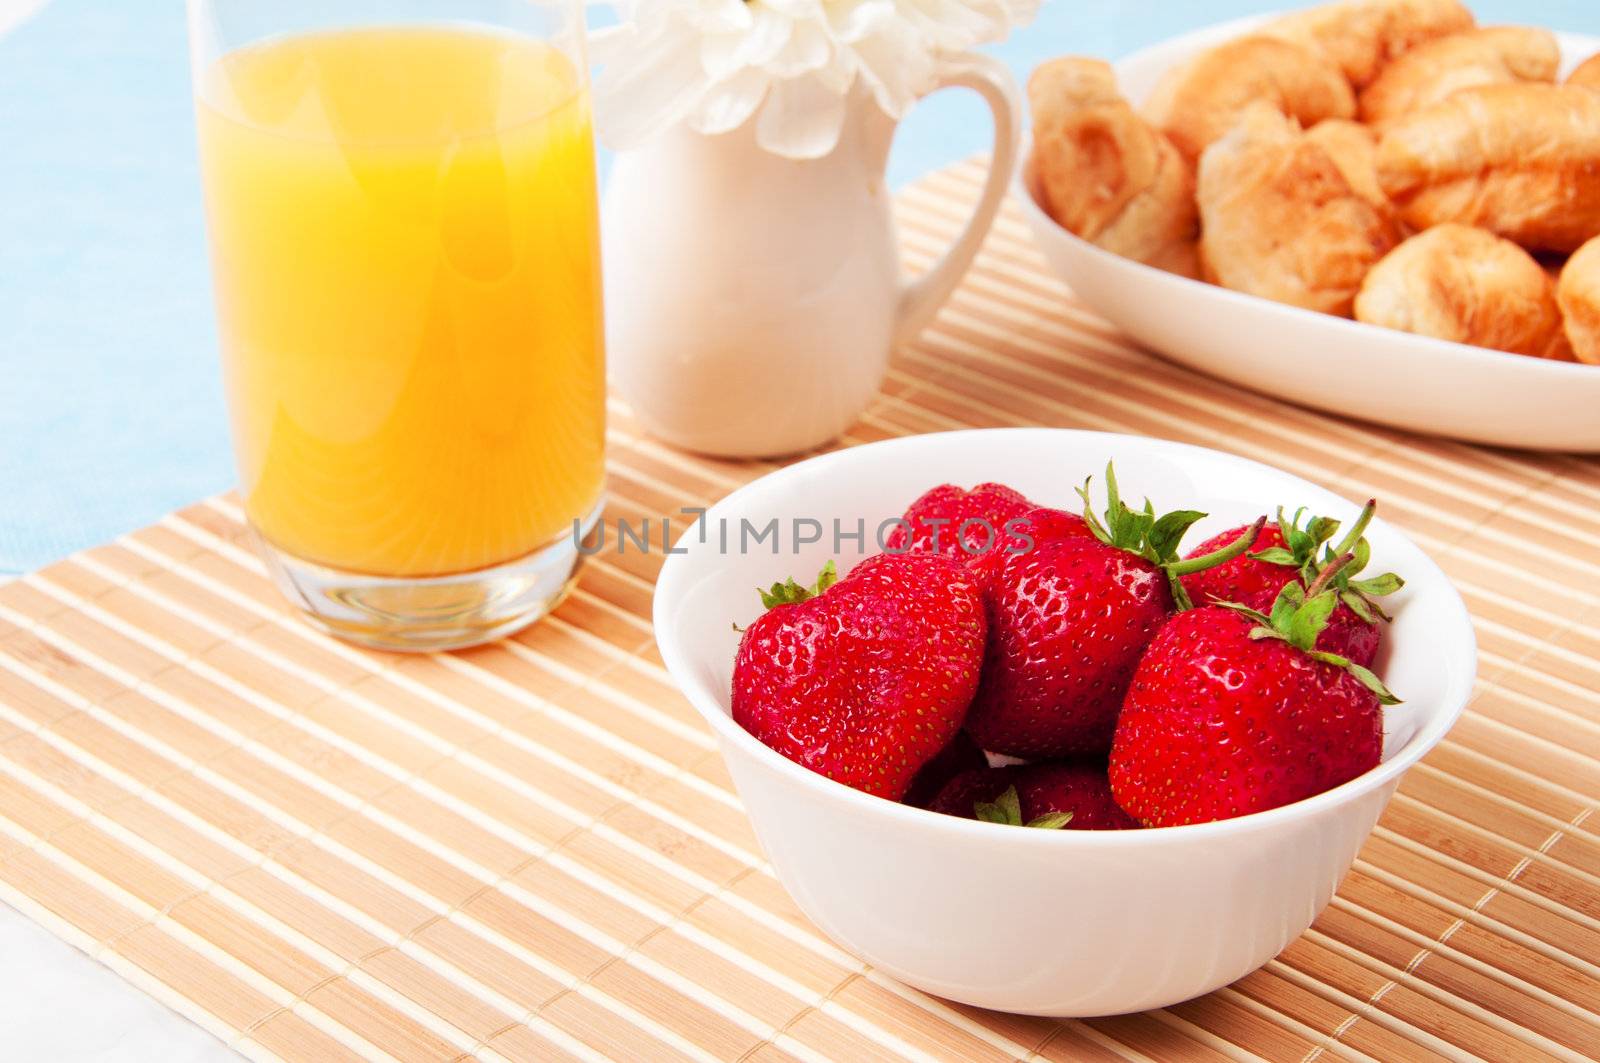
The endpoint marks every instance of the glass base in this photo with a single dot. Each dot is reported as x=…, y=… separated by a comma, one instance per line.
x=428, y=614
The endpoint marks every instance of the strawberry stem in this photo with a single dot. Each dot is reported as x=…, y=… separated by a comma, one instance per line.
x=1227, y=553
x=1328, y=573
x=1358, y=529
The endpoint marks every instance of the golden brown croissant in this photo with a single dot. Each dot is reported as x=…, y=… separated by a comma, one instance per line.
x=1198, y=101
x=1579, y=296
x=1587, y=74
x=1433, y=70
x=1360, y=36
x=1279, y=219
x=1521, y=160
x=1454, y=282
x=1104, y=173
x=1354, y=149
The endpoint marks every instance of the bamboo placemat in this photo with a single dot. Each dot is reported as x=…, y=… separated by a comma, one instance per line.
x=531, y=850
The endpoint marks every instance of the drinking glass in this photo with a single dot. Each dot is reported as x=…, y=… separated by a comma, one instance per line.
x=401, y=205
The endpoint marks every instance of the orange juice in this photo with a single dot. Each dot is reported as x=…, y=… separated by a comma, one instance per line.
x=406, y=256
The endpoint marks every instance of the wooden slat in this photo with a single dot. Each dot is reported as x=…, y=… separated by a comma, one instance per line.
x=532, y=850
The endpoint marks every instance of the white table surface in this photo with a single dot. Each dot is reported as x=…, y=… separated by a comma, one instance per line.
x=58, y=1004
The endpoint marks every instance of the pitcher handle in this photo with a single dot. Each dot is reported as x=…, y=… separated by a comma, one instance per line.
x=920, y=299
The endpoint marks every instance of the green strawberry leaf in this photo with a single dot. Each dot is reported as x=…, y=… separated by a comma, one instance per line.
x=1358, y=605
x=1099, y=530
x=1050, y=821
x=1286, y=527
x=1276, y=555
x=1307, y=622
x=1321, y=529
x=1370, y=680
x=1289, y=600
x=1365, y=675
x=791, y=593
x=1301, y=544
x=1005, y=809
x=1245, y=611
x=1363, y=552
x=1167, y=532
x=1114, y=506
x=1377, y=586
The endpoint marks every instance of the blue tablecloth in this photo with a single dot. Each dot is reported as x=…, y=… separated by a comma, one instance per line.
x=110, y=410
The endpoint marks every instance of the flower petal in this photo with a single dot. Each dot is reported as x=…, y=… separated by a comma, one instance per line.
x=654, y=89
x=714, y=63
x=768, y=33
x=895, y=68
x=722, y=16
x=801, y=119
x=730, y=103
x=851, y=22
x=809, y=48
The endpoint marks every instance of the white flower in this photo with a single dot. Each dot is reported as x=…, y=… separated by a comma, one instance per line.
x=789, y=65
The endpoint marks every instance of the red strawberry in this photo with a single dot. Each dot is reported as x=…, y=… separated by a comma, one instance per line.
x=1233, y=712
x=961, y=754
x=1068, y=621
x=1285, y=552
x=970, y=526
x=1027, y=794
x=865, y=679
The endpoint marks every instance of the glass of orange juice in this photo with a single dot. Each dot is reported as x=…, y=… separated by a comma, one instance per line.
x=401, y=204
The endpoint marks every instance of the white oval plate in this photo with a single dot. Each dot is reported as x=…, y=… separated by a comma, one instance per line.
x=1394, y=378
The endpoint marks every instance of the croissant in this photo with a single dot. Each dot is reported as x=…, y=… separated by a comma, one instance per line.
x=1454, y=282
x=1198, y=101
x=1104, y=173
x=1587, y=74
x=1360, y=36
x=1433, y=70
x=1280, y=220
x=1521, y=160
x=1354, y=150
x=1578, y=294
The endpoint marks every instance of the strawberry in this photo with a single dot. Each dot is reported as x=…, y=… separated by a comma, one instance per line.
x=1287, y=551
x=1029, y=794
x=1069, y=619
x=866, y=678
x=975, y=527
x=1232, y=711
x=959, y=755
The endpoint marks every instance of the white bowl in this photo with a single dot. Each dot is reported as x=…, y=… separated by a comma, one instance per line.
x=1394, y=378
x=1069, y=923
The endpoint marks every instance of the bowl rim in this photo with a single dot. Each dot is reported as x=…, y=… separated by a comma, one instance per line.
x=1488, y=357
x=670, y=586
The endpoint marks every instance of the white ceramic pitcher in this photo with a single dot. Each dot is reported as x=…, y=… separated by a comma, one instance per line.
x=753, y=300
